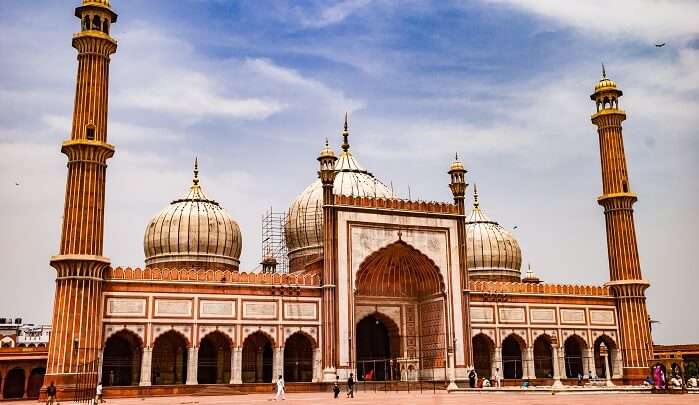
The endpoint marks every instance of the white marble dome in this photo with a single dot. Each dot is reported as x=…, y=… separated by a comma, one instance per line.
x=193, y=229
x=304, y=224
x=492, y=252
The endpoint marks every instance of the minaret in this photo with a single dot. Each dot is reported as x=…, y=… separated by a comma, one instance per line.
x=626, y=281
x=76, y=335
x=326, y=172
x=458, y=185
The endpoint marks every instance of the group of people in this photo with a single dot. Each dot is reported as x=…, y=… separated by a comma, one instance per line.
x=659, y=380
x=475, y=382
x=350, y=386
x=281, y=391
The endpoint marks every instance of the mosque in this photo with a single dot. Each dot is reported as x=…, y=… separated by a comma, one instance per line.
x=382, y=287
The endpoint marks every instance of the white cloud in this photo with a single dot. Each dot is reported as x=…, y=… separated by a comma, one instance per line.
x=649, y=20
x=330, y=15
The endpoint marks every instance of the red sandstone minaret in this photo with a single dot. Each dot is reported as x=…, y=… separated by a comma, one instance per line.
x=76, y=328
x=327, y=173
x=626, y=282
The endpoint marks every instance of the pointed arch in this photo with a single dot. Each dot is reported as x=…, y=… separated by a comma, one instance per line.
x=311, y=338
x=298, y=357
x=574, y=356
x=214, y=358
x=483, y=350
x=248, y=333
x=398, y=270
x=127, y=330
x=121, y=358
x=164, y=331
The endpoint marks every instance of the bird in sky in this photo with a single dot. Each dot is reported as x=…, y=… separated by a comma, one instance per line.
x=16, y=184
x=514, y=227
x=660, y=45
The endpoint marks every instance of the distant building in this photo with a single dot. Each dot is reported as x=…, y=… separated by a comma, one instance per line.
x=23, y=353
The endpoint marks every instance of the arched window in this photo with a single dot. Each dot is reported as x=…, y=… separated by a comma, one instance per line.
x=96, y=23
x=86, y=23
x=105, y=27
x=625, y=186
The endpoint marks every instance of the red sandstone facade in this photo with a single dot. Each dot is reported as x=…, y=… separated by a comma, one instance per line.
x=390, y=297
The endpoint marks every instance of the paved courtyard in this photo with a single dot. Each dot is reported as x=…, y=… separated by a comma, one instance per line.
x=404, y=398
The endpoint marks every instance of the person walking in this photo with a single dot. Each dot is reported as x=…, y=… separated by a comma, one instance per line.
x=497, y=377
x=51, y=394
x=98, y=394
x=280, y=389
x=350, y=386
x=472, y=378
x=336, y=387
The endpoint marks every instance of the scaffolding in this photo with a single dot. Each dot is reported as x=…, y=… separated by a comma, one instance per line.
x=273, y=241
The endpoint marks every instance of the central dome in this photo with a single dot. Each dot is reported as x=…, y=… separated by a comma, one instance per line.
x=191, y=232
x=304, y=224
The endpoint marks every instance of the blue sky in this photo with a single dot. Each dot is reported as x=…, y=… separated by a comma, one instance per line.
x=254, y=87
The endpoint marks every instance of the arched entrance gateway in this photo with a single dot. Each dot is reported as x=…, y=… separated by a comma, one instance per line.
x=483, y=349
x=169, y=363
x=298, y=358
x=397, y=283
x=257, y=359
x=512, y=348
x=214, y=359
x=121, y=364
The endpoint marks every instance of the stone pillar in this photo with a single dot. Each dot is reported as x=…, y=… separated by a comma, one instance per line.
x=100, y=363
x=145, y=366
x=607, y=374
x=529, y=370
x=556, y=368
x=452, y=373
x=591, y=362
x=192, y=363
x=278, y=363
x=618, y=364
x=317, y=370
x=236, y=365
x=27, y=374
x=497, y=362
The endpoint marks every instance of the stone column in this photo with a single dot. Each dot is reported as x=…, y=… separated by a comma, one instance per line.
x=452, y=372
x=317, y=370
x=27, y=374
x=529, y=370
x=278, y=363
x=556, y=368
x=145, y=366
x=618, y=363
x=497, y=362
x=192, y=363
x=236, y=365
x=607, y=374
x=100, y=363
x=591, y=362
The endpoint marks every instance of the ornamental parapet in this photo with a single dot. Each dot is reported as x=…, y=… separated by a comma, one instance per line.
x=210, y=276
x=397, y=204
x=529, y=288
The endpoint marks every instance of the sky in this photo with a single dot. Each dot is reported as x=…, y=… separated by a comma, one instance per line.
x=253, y=88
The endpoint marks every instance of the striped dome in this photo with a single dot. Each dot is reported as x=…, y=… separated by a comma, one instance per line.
x=193, y=229
x=304, y=224
x=491, y=252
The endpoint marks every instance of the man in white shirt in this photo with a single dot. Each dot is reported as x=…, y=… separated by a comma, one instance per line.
x=280, y=389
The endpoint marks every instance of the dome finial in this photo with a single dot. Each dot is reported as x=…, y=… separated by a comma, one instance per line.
x=604, y=72
x=475, y=196
x=345, y=136
x=195, y=180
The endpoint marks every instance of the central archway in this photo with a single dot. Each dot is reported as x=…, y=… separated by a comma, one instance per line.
x=401, y=277
x=378, y=346
x=298, y=358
